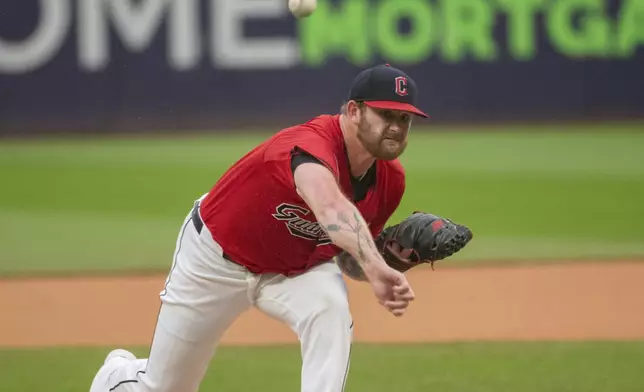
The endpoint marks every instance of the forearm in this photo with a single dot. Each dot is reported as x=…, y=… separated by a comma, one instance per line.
x=348, y=230
x=350, y=266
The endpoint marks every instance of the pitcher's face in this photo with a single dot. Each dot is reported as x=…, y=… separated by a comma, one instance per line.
x=383, y=132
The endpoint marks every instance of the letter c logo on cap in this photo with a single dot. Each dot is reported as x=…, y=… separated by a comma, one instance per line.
x=401, y=86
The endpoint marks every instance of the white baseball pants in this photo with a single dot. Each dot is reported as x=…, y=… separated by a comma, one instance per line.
x=205, y=293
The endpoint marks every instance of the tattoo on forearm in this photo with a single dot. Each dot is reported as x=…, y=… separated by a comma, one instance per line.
x=350, y=266
x=333, y=227
x=357, y=231
x=362, y=235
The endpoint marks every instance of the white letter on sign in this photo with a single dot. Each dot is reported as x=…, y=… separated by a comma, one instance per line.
x=136, y=23
x=42, y=45
x=231, y=50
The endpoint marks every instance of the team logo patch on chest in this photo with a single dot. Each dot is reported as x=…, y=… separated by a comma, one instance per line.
x=298, y=226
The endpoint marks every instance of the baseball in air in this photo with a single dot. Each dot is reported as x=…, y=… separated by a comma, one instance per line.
x=302, y=8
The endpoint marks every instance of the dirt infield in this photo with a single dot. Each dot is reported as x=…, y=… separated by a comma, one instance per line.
x=556, y=302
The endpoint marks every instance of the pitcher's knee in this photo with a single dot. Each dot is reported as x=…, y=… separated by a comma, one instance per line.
x=328, y=309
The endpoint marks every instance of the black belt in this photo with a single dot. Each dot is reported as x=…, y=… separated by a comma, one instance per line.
x=196, y=219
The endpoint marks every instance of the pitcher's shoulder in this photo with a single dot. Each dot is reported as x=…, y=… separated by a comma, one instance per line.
x=394, y=176
x=326, y=123
x=395, y=168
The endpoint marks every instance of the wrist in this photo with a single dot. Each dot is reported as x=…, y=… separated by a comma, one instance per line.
x=374, y=265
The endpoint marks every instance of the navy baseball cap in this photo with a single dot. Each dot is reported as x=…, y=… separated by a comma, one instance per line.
x=386, y=87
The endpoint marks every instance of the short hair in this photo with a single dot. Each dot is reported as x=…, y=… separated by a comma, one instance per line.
x=343, y=108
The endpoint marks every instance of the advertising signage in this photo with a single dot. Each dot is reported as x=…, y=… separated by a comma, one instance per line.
x=126, y=65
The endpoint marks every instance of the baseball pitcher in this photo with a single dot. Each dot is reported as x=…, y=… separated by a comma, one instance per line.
x=277, y=231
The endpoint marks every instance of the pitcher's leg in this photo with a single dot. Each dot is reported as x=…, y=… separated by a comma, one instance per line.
x=316, y=307
x=204, y=294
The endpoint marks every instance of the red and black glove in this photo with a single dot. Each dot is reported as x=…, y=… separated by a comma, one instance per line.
x=421, y=238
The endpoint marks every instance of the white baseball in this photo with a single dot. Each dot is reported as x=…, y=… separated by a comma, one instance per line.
x=302, y=8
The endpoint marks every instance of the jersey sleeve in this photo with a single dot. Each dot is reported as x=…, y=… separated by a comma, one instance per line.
x=299, y=157
x=313, y=145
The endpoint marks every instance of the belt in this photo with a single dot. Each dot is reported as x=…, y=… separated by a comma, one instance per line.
x=196, y=218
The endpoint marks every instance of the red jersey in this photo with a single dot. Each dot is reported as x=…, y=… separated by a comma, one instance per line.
x=256, y=215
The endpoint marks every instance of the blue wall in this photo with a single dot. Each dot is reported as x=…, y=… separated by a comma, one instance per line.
x=123, y=65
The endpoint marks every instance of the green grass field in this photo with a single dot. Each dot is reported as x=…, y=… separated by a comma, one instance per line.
x=458, y=367
x=116, y=204
x=539, y=195
x=106, y=205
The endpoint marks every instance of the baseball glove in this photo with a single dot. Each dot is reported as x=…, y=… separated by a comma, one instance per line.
x=421, y=238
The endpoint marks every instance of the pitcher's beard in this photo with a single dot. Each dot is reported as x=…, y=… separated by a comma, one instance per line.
x=378, y=145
